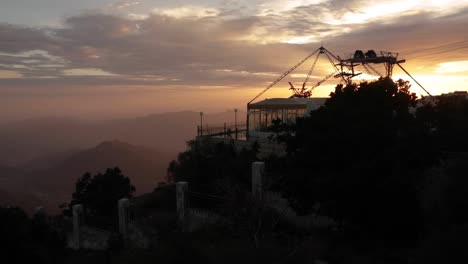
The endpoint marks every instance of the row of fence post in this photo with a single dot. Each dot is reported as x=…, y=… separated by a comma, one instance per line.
x=182, y=202
x=124, y=218
x=183, y=216
x=182, y=205
x=78, y=213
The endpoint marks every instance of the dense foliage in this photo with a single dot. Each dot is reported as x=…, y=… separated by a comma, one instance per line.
x=212, y=167
x=28, y=240
x=99, y=195
x=388, y=168
x=358, y=160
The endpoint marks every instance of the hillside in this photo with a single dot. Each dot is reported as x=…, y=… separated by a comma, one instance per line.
x=168, y=132
x=15, y=189
x=145, y=167
x=44, y=157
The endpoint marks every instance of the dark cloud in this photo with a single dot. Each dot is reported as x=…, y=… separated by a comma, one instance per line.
x=163, y=63
x=407, y=33
x=167, y=48
x=204, y=51
x=15, y=38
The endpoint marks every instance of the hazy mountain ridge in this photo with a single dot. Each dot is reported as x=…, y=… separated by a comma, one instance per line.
x=41, y=158
x=145, y=166
x=15, y=189
x=26, y=201
x=49, y=187
x=34, y=138
x=48, y=161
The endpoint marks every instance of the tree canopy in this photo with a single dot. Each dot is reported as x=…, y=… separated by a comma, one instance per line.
x=28, y=240
x=99, y=194
x=213, y=167
x=358, y=159
x=368, y=159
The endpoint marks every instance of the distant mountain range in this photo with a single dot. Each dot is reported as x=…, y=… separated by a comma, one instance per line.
x=15, y=191
x=32, y=139
x=41, y=159
x=52, y=185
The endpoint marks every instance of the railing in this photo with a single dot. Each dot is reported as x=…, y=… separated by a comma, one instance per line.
x=225, y=130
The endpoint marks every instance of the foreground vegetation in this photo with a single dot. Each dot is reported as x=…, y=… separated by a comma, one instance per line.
x=386, y=168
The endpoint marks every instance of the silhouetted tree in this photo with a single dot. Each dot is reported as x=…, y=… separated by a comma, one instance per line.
x=213, y=168
x=358, y=159
x=448, y=117
x=16, y=242
x=99, y=194
x=205, y=162
x=25, y=240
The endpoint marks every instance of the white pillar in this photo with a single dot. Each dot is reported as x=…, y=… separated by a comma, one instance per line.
x=123, y=206
x=182, y=206
x=258, y=170
x=77, y=218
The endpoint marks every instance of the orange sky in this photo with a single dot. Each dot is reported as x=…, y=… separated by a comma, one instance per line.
x=107, y=59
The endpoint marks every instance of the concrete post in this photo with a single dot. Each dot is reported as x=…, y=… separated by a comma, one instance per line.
x=258, y=170
x=77, y=222
x=123, y=206
x=201, y=123
x=235, y=122
x=225, y=131
x=182, y=206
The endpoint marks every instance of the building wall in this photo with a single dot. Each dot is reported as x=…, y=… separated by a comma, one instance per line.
x=261, y=119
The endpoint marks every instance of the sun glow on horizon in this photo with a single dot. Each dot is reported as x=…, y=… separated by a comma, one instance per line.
x=211, y=54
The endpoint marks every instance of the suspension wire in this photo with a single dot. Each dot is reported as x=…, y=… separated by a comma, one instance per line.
x=323, y=80
x=333, y=64
x=440, y=52
x=432, y=48
x=327, y=51
x=311, y=69
x=283, y=75
x=375, y=71
x=430, y=95
x=367, y=69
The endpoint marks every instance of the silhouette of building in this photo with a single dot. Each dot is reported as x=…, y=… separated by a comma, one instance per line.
x=259, y=120
x=260, y=115
x=263, y=114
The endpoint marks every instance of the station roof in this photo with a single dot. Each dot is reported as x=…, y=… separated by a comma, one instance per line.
x=287, y=103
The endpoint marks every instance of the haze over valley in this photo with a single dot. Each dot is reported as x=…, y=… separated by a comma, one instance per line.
x=41, y=159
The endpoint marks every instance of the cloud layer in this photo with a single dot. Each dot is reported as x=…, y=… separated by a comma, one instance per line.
x=194, y=47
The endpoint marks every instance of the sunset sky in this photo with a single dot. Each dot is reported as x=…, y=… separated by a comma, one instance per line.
x=108, y=59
